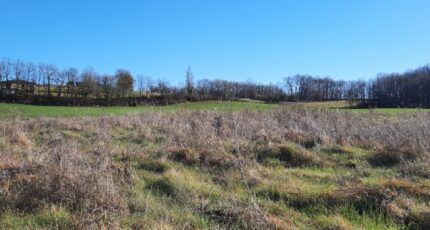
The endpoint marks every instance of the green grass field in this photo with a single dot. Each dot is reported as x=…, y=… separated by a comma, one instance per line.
x=19, y=110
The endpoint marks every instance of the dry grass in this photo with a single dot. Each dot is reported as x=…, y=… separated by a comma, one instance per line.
x=203, y=169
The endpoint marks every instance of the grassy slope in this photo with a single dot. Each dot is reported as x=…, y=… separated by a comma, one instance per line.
x=19, y=110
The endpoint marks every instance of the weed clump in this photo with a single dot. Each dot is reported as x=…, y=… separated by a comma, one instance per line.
x=332, y=223
x=152, y=166
x=296, y=156
x=271, y=193
x=390, y=157
x=307, y=140
x=162, y=186
x=289, y=154
x=187, y=156
x=217, y=159
x=419, y=167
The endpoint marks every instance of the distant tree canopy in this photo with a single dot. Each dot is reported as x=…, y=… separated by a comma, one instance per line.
x=309, y=88
x=124, y=81
x=409, y=89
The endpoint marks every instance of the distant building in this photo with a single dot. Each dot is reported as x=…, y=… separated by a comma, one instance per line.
x=17, y=87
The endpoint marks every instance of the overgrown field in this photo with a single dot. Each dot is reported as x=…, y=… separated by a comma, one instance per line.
x=273, y=169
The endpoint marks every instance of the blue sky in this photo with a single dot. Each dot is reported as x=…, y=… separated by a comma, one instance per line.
x=258, y=40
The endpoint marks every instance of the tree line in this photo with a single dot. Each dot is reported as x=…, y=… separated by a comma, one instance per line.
x=411, y=88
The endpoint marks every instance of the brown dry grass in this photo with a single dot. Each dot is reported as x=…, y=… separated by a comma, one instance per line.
x=74, y=162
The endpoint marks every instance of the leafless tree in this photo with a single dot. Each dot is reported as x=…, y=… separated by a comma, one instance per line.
x=19, y=69
x=108, y=86
x=189, y=81
x=5, y=69
x=49, y=72
x=141, y=84
x=71, y=76
x=30, y=72
x=149, y=83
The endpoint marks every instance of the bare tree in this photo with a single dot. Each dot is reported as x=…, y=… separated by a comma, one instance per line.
x=19, y=69
x=49, y=72
x=60, y=80
x=5, y=72
x=189, y=81
x=141, y=84
x=71, y=77
x=89, y=82
x=149, y=84
x=30, y=72
x=108, y=87
x=5, y=69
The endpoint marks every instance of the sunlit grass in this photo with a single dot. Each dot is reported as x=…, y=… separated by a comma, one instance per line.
x=20, y=110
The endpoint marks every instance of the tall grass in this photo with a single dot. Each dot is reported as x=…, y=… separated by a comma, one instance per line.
x=216, y=169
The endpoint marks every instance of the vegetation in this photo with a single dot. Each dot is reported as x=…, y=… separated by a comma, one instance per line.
x=10, y=110
x=24, y=111
x=46, y=84
x=273, y=169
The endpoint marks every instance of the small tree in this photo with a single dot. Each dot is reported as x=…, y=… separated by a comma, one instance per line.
x=88, y=83
x=108, y=86
x=189, y=81
x=124, y=82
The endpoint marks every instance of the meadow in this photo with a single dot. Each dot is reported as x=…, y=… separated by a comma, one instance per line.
x=238, y=166
x=9, y=110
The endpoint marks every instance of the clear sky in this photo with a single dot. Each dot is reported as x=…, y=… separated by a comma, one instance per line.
x=260, y=40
